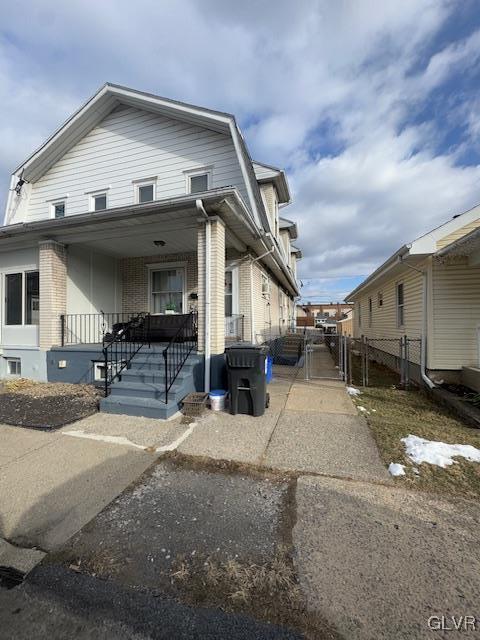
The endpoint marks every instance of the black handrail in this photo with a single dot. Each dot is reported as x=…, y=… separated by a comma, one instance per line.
x=178, y=350
x=120, y=346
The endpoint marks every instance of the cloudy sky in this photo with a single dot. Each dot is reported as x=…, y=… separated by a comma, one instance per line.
x=372, y=106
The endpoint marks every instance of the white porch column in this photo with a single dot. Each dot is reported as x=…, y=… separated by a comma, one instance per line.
x=217, y=284
x=53, y=291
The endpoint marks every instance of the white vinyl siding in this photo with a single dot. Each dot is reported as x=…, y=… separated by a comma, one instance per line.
x=455, y=316
x=383, y=322
x=130, y=144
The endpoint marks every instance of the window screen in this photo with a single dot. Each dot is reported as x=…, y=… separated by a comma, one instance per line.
x=145, y=193
x=59, y=210
x=13, y=298
x=100, y=202
x=199, y=183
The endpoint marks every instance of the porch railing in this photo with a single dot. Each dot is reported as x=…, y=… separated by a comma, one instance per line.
x=89, y=328
x=178, y=350
x=120, y=347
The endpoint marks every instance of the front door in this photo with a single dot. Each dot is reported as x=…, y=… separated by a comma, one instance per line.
x=167, y=290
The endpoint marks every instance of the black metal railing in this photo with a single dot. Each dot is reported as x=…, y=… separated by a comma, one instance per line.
x=89, y=328
x=178, y=350
x=122, y=344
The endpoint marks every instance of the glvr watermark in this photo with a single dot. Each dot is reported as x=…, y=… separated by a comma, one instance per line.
x=453, y=623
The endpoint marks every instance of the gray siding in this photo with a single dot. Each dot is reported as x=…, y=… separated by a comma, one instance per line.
x=131, y=144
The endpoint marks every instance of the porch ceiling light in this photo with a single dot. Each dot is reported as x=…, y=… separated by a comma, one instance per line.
x=159, y=243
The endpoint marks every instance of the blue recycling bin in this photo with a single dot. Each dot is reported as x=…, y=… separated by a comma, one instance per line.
x=268, y=368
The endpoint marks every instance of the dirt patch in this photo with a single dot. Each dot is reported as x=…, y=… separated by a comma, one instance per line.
x=40, y=405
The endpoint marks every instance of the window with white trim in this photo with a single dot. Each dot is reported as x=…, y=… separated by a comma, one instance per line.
x=144, y=191
x=58, y=209
x=400, y=305
x=98, y=201
x=14, y=366
x=22, y=298
x=199, y=181
x=380, y=299
x=370, y=312
x=359, y=313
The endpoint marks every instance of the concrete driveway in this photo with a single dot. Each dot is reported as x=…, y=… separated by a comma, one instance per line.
x=54, y=483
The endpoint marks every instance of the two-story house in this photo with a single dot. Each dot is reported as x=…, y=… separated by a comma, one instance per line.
x=140, y=206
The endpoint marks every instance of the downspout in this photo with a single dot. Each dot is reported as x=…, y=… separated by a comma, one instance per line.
x=423, y=352
x=206, y=334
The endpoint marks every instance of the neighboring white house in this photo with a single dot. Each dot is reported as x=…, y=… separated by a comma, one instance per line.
x=430, y=289
x=140, y=204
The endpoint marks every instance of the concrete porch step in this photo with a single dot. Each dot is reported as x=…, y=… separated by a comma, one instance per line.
x=151, y=390
x=146, y=407
x=153, y=375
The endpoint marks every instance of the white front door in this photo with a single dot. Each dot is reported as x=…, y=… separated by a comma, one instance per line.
x=167, y=290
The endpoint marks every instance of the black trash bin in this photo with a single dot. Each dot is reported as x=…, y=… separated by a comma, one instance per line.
x=246, y=378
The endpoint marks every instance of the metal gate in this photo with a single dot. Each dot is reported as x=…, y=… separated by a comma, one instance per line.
x=326, y=356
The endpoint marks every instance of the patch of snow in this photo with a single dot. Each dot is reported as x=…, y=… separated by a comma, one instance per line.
x=396, y=469
x=352, y=391
x=360, y=408
x=438, y=453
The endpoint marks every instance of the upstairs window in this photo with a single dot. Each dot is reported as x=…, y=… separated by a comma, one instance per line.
x=199, y=182
x=265, y=285
x=99, y=201
x=400, y=305
x=58, y=209
x=145, y=190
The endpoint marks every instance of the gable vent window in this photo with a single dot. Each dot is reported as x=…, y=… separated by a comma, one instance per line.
x=99, y=201
x=199, y=183
x=58, y=209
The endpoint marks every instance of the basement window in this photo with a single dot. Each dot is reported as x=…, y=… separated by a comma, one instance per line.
x=14, y=366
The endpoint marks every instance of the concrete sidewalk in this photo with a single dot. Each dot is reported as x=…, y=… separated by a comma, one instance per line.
x=53, y=483
x=310, y=427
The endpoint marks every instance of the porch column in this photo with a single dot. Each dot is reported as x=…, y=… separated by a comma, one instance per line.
x=217, y=284
x=53, y=291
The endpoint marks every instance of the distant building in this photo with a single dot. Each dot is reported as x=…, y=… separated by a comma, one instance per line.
x=335, y=310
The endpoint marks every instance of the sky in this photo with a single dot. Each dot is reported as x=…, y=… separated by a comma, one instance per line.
x=371, y=106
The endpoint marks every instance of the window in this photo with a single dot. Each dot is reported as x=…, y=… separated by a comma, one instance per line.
x=145, y=193
x=58, y=209
x=32, y=298
x=265, y=285
x=199, y=183
x=370, y=312
x=228, y=293
x=22, y=298
x=167, y=289
x=14, y=366
x=359, y=313
x=380, y=299
x=99, y=201
x=400, y=305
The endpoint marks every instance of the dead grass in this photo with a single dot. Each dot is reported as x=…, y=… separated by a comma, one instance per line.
x=24, y=386
x=268, y=591
x=395, y=413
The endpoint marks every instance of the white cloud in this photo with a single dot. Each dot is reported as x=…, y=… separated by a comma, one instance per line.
x=329, y=90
